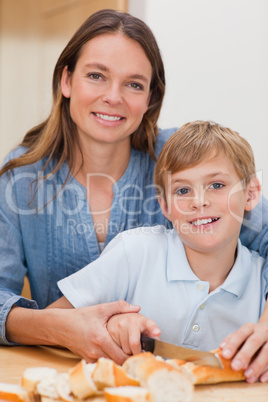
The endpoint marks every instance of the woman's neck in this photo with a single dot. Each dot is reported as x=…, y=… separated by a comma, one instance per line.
x=103, y=165
x=109, y=160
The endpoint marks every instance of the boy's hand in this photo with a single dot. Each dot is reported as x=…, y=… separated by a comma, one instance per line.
x=252, y=339
x=126, y=330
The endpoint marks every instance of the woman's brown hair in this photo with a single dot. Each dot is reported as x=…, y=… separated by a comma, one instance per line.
x=55, y=137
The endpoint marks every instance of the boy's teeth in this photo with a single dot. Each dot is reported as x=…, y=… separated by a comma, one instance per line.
x=202, y=221
x=106, y=117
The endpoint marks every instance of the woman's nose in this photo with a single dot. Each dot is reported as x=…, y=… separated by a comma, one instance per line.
x=112, y=94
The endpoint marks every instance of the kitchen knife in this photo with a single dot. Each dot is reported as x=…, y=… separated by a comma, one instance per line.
x=170, y=351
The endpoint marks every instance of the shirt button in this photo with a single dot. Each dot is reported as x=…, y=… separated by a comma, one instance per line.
x=200, y=287
x=195, y=328
x=202, y=306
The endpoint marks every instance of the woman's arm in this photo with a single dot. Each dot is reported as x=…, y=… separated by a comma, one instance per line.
x=82, y=330
x=253, y=337
x=254, y=233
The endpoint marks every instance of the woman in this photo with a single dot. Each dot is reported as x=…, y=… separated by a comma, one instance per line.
x=79, y=178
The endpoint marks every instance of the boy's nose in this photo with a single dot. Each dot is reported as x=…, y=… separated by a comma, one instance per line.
x=200, y=200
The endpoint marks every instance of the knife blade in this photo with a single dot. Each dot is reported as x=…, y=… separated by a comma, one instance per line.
x=170, y=351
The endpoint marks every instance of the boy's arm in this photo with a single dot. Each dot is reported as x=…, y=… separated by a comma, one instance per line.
x=126, y=330
x=253, y=355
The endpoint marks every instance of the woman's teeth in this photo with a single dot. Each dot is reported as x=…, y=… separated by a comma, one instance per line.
x=204, y=221
x=108, y=118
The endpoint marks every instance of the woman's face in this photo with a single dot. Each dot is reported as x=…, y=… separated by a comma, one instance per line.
x=109, y=89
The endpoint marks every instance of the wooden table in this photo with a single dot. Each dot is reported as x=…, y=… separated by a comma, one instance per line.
x=15, y=359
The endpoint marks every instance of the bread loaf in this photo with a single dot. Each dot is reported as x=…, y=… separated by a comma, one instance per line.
x=208, y=374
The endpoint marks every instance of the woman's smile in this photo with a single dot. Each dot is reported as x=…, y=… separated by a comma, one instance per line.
x=108, y=120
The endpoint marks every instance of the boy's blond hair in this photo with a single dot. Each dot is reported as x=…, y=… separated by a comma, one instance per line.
x=198, y=141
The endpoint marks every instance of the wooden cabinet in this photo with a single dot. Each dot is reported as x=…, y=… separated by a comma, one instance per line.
x=32, y=35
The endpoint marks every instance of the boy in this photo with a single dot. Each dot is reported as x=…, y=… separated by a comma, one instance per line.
x=195, y=281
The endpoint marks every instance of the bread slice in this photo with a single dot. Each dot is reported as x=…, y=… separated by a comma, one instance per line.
x=109, y=374
x=212, y=375
x=81, y=382
x=164, y=382
x=63, y=387
x=130, y=365
x=14, y=393
x=47, y=387
x=127, y=394
x=33, y=375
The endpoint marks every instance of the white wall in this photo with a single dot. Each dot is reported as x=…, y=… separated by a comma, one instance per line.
x=216, y=59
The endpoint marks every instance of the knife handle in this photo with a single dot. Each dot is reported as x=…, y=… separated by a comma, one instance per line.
x=147, y=343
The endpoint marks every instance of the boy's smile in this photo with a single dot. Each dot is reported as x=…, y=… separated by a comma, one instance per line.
x=206, y=204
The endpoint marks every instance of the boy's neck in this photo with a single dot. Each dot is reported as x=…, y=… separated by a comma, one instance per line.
x=214, y=266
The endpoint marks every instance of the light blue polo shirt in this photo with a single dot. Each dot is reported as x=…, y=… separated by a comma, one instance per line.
x=148, y=267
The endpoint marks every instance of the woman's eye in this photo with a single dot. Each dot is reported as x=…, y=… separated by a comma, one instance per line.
x=137, y=86
x=182, y=191
x=94, y=76
x=216, y=186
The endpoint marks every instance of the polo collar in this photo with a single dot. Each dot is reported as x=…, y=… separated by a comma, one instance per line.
x=178, y=268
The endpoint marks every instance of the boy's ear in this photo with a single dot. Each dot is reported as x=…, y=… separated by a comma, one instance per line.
x=253, y=192
x=65, y=83
x=164, y=207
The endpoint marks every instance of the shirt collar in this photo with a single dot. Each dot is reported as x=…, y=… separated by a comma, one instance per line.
x=238, y=277
x=178, y=268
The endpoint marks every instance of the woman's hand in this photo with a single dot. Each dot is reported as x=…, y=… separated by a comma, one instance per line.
x=82, y=330
x=248, y=346
x=126, y=330
x=86, y=331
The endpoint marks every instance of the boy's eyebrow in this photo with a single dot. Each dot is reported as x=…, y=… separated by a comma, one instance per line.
x=104, y=68
x=208, y=176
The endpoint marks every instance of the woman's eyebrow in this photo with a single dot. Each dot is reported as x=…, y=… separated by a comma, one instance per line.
x=99, y=66
x=102, y=67
x=138, y=77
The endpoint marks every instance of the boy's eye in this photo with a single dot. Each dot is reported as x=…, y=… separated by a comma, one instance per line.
x=216, y=186
x=182, y=191
x=137, y=86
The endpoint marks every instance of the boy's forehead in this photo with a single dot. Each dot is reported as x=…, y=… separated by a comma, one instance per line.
x=213, y=167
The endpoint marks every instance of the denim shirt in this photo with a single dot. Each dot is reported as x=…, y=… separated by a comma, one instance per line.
x=52, y=235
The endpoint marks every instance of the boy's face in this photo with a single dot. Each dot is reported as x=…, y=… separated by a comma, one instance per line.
x=206, y=204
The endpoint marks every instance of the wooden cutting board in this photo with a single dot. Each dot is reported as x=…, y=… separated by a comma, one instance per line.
x=15, y=359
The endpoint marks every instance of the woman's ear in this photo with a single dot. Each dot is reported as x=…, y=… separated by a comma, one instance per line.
x=253, y=192
x=66, y=83
x=164, y=207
